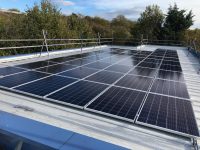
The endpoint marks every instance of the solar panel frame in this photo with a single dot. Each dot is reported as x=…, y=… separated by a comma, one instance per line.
x=49, y=97
x=162, y=128
x=87, y=107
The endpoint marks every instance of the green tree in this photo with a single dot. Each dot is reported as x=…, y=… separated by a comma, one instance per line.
x=149, y=23
x=121, y=27
x=177, y=22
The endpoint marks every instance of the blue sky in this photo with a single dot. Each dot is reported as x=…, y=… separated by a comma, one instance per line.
x=109, y=8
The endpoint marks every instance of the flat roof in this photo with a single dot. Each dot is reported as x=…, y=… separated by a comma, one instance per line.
x=107, y=129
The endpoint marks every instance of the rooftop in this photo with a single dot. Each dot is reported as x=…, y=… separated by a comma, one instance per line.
x=109, y=128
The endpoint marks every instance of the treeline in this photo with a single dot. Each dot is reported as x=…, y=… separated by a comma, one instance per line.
x=152, y=24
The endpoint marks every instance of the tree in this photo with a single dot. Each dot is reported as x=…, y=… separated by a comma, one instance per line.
x=150, y=23
x=121, y=27
x=177, y=22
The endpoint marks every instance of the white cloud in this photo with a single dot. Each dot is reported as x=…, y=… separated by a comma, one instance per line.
x=64, y=2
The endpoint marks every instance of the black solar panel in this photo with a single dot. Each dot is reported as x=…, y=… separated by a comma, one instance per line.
x=80, y=62
x=169, y=113
x=21, y=78
x=10, y=70
x=56, y=68
x=119, y=102
x=149, y=65
x=170, y=75
x=79, y=72
x=149, y=72
x=135, y=82
x=78, y=94
x=98, y=65
x=119, y=68
x=170, y=88
x=171, y=68
x=62, y=59
x=105, y=77
x=128, y=62
x=45, y=86
x=35, y=65
x=174, y=63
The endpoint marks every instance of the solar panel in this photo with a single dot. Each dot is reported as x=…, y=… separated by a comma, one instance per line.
x=62, y=59
x=10, y=70
x=21, y=78
x=149, y=65
x=119, y=68
x=174, y=63
x=135, y=82
x=98, y=65
x=79, y=72
x=170, y=75
x=169, y=114
x=171, y=68
x=35, y=65
x=105, y=77
x=45, y=86
x=118, y=102
x=128, y=62
x=170, y=88
x=80, y=62
x=78, y=94
x=143, y=71
x=56, y=68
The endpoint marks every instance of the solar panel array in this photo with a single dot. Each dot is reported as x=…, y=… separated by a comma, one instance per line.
x=142, y=87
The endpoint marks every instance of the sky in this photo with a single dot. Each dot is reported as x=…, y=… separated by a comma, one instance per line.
x=109, y=9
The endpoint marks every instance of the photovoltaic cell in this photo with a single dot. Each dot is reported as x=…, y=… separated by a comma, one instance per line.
x=45, y=86
x=10, y=70
x=170, y=75
x=62, y=59
x=21, y=78
x=79, y=93
x=135, y=82
x=173, y=114
x=119, y=68
x=56, y=68
x=171, y=88
x=79, y=72
x=35, y=65
x=98, y=65
x=119, y=102
x=149, y=65
x=105, y=77
x=171, y=68
x=143, y=71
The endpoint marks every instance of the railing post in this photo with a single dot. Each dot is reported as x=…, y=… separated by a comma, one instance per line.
x=112, y=39
x=45, y=40
x=99, y=38
x=81, y=43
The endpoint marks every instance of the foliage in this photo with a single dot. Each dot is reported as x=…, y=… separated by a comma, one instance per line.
x=150, y=22
x=177, y=22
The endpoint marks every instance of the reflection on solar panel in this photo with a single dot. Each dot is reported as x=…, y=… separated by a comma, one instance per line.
x=170, y=75
x=118, y=102
x=119, y=68
x=98, y=65
x=105, y=77
x=45, y=86
x=167, y=113
x=171, y=68
x=135, y=82
x=149, y=65
x=56, y=68
x=78, y=94
x=21, y=78
x=35, y=65
x=79, y=72
x=171, y=88
x=143, y=71
x=10, y=70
